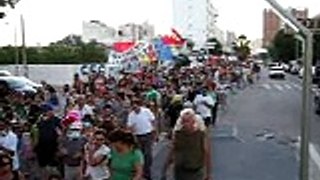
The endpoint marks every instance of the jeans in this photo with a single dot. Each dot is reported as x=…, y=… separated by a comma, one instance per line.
x=145, y=143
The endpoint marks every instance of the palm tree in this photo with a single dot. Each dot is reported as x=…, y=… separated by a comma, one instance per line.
x=242, y=47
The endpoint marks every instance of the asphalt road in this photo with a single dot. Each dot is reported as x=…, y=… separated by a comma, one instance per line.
x=256, y=137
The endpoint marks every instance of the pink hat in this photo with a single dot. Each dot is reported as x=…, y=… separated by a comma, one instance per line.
x=71, y=117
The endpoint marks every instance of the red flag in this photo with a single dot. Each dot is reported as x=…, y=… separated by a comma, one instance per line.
x=123, y=46
x=169, y=40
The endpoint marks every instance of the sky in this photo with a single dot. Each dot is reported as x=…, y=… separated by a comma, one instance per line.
x=50, y=20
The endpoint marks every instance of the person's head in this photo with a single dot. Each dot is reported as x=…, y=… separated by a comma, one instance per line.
x=99, y=138
x=107, y=110
x=136, y=104
x=188, y=119
x=5, y=163
x=81, y=100
x=47, y=110
x=122, y=140
x=76, y=76
x=66, y=88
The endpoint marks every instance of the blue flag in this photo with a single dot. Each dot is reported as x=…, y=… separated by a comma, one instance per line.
x=164, y=51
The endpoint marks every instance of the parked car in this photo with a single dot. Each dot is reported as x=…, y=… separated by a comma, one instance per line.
x=277, y=72
x=295, y=69
x=313, y=71
x=286, y=67
x=5, y=73
x=272, y=64
x=18, y=84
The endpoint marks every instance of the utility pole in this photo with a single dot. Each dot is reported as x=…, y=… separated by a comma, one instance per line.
x=16, y=52
x=24, y=53
x=306, y=93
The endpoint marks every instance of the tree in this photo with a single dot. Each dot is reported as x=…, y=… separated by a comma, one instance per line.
x=69, y=50
x=284, y=47
x=71, y=40
x=92, y=52
x=242, y=47
x=214, y=46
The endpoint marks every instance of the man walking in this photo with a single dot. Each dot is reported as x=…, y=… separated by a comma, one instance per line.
x=190, y=149
x=141, y=122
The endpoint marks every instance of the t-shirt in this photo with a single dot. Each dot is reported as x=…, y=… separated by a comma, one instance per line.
x=73, y=147
x=122, y=165
x=10, y=142
x=100, y=171
x=201, y=108
x=142, y=121
x=47, y=130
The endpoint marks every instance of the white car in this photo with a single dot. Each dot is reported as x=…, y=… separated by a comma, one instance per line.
x=313, y=71
x=5, y=73
x=277, y=72
x=30, y=83
x=18, y=84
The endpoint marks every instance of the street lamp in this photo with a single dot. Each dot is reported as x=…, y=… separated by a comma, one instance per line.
x=24, y=53
x=306, y=94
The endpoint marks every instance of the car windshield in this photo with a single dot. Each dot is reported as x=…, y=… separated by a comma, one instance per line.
x=14, y=83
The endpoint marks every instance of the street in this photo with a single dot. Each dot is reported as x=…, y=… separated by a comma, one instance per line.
x=258, y=136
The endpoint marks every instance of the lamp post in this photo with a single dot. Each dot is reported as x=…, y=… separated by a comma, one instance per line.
x=16, y=52
x=24, y=53
x=306, y=94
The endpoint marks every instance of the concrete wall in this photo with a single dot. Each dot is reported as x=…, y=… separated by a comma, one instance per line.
x=57, y=75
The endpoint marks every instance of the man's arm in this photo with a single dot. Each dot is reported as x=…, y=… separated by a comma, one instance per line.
x=130, y=124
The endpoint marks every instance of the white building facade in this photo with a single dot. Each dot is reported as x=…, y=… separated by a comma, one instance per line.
x=98, y=31
x=196, y=20
x=136, y=32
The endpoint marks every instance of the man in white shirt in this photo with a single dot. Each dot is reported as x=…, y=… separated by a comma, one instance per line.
x=203, y=105
x=85, y=110
x=141, y=122
x=9, y=143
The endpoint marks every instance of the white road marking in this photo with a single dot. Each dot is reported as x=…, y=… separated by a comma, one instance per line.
x=288, y=86
x=277, y=86
x=297, y=86
x=266, y=86
x=314, y=154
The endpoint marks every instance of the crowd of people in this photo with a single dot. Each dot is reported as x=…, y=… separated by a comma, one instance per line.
x=103, y=128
